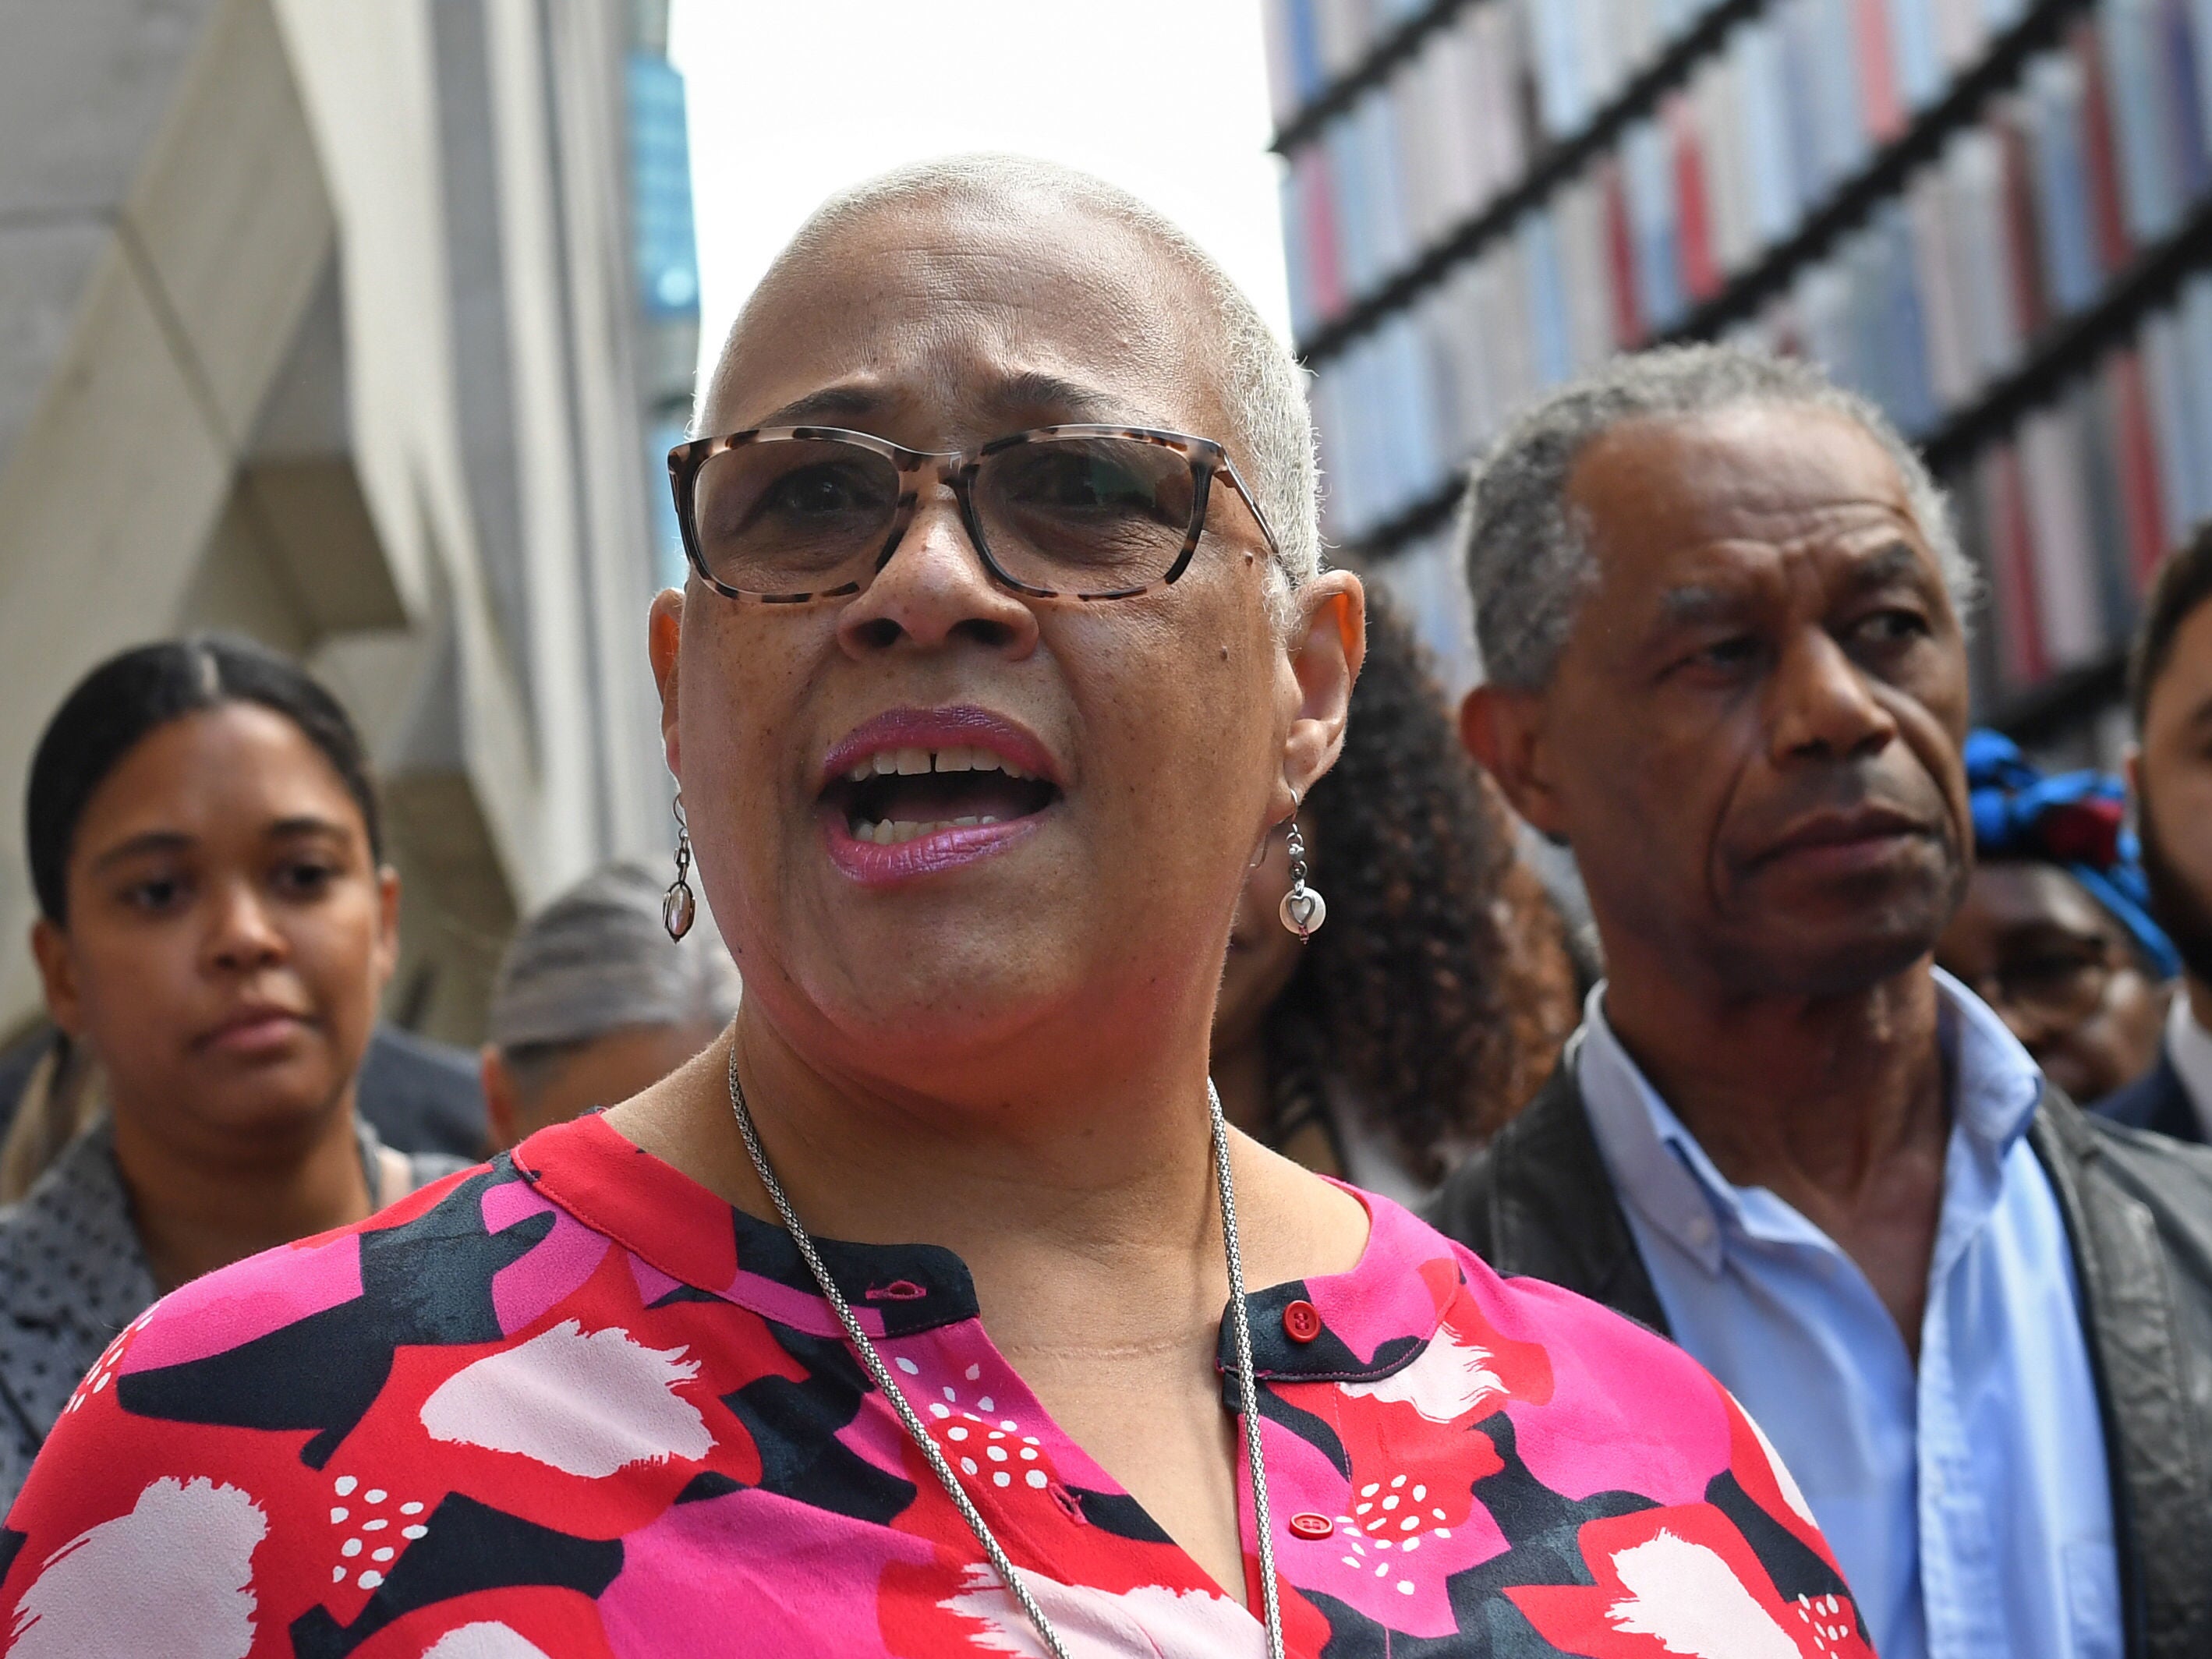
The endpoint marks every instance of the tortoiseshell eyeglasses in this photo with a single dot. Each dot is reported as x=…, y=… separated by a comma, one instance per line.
x=781, y=515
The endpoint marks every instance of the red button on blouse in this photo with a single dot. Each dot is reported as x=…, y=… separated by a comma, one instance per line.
x=1301, y=1322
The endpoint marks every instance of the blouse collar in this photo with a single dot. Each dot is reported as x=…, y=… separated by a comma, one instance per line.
x=1373, y=1318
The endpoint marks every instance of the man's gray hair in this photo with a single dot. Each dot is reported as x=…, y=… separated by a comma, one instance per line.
x=1527, y=553
x=1261, y=385
x=597, y=959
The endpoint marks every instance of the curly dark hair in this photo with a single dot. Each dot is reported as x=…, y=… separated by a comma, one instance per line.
x=1440, y=993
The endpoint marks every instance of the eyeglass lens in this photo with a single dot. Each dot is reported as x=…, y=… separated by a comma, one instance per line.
x=2057, y=984
x=1088, y=515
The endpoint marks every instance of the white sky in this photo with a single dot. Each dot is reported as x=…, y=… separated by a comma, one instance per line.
x=792, y=100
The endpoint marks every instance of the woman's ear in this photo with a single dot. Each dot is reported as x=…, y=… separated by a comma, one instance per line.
x=1328, y=643
x=50, y=949
x=663, y=639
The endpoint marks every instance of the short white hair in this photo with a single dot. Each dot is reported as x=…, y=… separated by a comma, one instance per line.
x=1261, y=387
x=1527, y=556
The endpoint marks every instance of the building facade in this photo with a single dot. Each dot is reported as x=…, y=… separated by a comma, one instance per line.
x=1994, y=217
x=323, y=322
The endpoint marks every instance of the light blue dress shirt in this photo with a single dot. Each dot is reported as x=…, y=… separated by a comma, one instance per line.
x=1968, y=1502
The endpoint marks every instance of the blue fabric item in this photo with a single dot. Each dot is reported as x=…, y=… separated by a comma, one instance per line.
x=2076, y=820
x=1968, y=1498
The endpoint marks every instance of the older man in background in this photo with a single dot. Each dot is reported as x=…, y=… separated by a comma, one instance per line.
x=594, y=1003
x=2170, y=683
x=1719, y=604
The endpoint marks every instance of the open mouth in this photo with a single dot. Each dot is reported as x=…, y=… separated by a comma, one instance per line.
x=898, y=795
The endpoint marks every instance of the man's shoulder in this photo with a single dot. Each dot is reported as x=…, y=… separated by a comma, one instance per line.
x=2157, y=1100
x=1538, y=1203
x=2121, y=1178
x=1549, y=1139
x=422, y=1096
x=2173, y=1177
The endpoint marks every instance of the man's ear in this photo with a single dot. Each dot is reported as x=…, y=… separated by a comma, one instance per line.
x=1504, y=731
x=664, y=639
x=1328, y=644
x=502, y=1109
x=50, y=949
x=2131, y=769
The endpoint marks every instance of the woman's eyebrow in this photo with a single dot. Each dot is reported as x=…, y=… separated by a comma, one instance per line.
x=306, y=823
x=1035, y=389
x=138, y=845
x=831, y=404
x=1025, y=392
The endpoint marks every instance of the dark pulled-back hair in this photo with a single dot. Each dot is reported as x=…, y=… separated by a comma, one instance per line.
x=1440, y=991
x=138, y=691
x=2182, y=583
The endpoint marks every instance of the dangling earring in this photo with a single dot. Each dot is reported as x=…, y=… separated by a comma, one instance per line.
x=1302, y=909
x=680, y=907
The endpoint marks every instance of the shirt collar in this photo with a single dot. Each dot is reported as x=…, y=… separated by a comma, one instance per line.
x=1995, y=1085
x=1373, y=1319
x=1657, y=1164
x=1658, y=1167
x=668, y=1220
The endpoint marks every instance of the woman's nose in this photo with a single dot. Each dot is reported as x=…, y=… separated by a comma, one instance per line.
x=242, y=934
x=936, y=588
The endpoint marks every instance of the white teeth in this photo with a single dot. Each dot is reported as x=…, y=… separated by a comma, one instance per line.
x=892, y=831
x=910, y=762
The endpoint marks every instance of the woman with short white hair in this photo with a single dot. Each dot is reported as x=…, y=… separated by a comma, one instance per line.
x=1005, y=649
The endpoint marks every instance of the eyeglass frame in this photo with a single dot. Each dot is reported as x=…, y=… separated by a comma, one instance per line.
x=2103, y=960
x=957, y=470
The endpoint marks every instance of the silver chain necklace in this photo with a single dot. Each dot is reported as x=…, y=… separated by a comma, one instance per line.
x=871, y=1361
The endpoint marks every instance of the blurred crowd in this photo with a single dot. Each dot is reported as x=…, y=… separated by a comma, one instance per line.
x=1948, y=1260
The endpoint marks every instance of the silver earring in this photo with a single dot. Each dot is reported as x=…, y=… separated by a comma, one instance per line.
x=1302, y=909
x=680, y=908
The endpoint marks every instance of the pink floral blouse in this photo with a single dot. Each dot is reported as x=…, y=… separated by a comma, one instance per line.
x=570, y=1403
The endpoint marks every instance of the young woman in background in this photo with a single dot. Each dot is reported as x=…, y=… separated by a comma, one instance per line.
x=215, y=925
x=1436, y=999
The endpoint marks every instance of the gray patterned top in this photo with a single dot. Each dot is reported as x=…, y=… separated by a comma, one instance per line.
x=73, y=1274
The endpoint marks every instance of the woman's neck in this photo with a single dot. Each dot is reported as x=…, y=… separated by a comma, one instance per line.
x=1104, y=1198
x=1241, y=1074
x=196, y=1210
